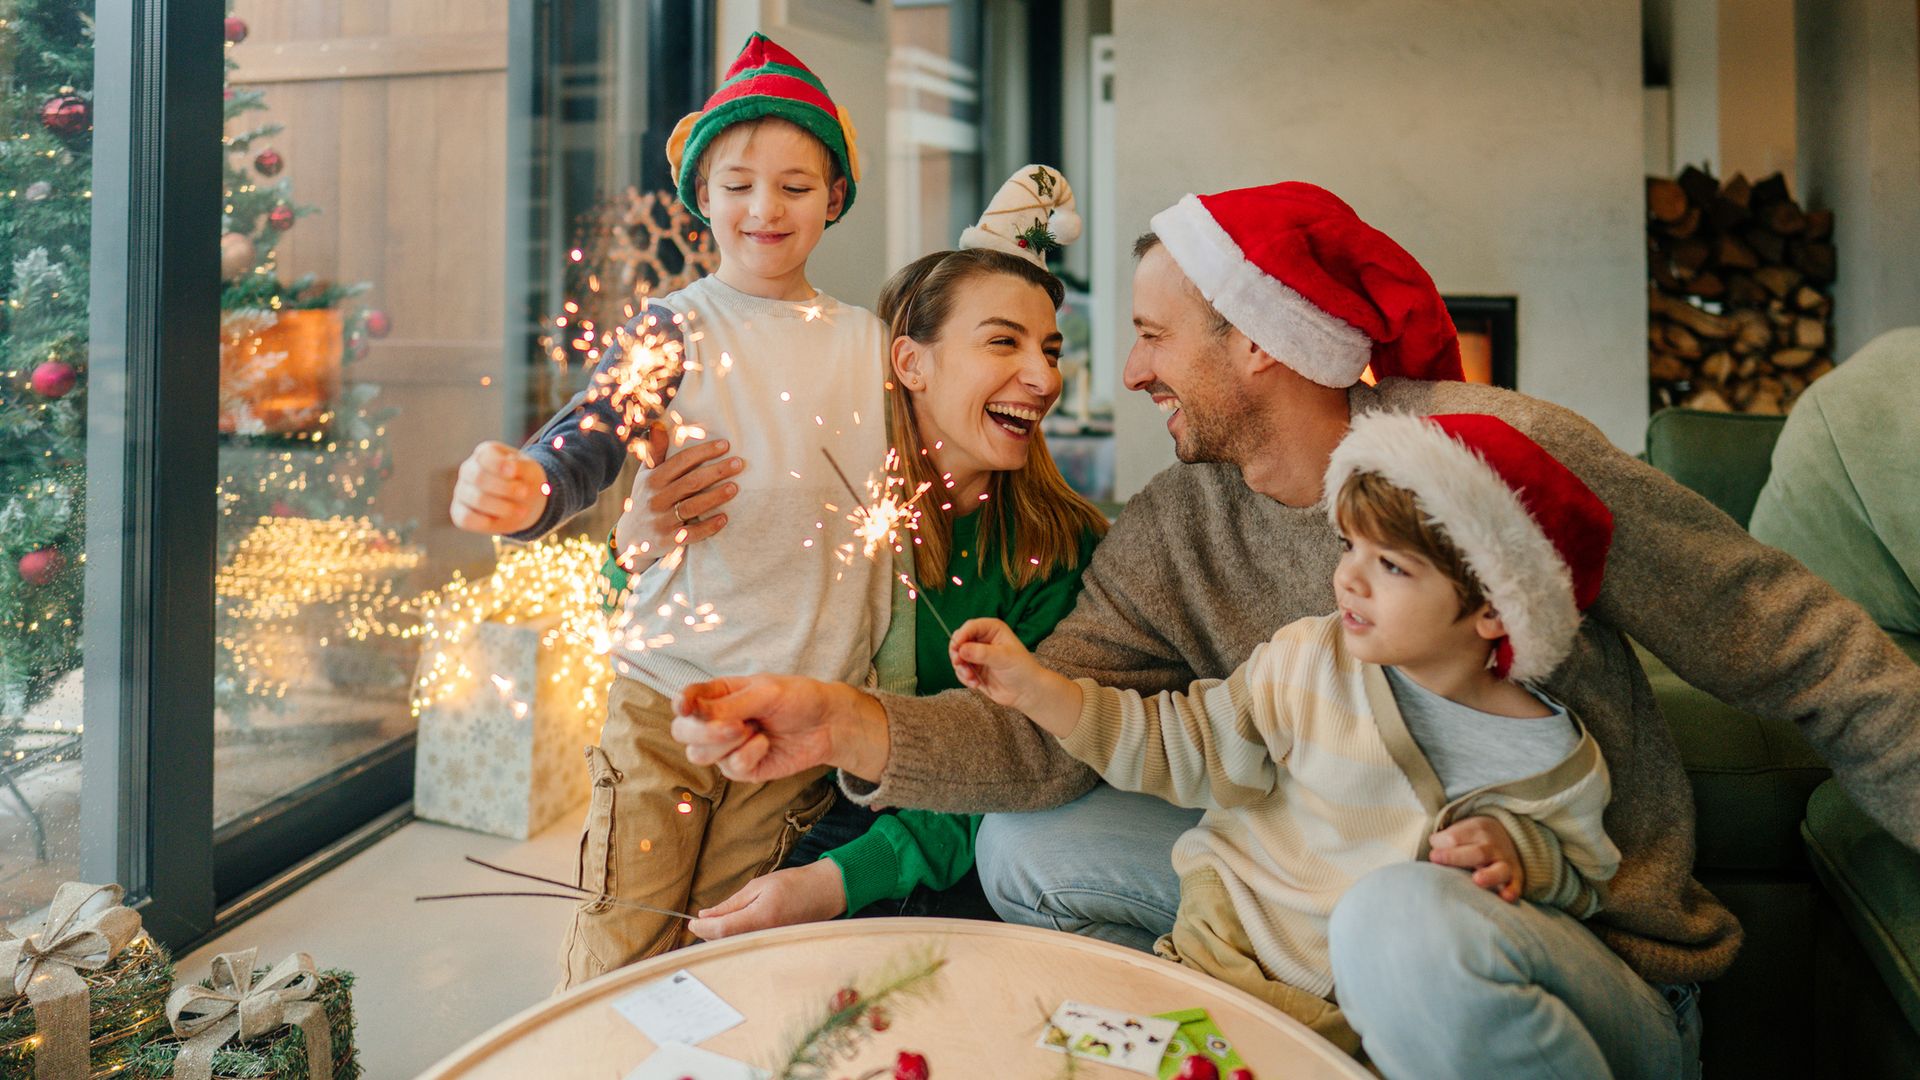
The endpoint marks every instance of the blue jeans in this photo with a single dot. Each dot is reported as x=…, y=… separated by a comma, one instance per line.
x=1440, y=978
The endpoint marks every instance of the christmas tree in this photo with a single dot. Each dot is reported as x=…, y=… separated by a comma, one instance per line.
x=303, y=452
x=46, y=164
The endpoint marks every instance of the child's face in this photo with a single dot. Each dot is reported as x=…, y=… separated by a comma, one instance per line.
x=765, y=191
x=1398, y=609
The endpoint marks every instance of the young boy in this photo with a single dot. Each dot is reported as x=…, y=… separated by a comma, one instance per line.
x=1397, y=728
x=781, y=371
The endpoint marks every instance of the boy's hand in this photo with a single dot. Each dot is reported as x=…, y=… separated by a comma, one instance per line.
x=1481, y=844
x=674, y=499
x=795, y=895
x=500, y=490
x=990, y=658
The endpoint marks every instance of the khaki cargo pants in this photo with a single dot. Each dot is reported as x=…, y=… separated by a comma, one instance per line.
x=1207, y=936
x=670, y=834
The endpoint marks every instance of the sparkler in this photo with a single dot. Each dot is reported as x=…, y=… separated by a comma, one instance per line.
x=574, y=892
x=879, y=523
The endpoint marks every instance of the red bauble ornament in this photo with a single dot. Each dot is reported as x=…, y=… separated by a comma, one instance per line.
x=269, y=162
x=236, y=29
x=283, y=509
x=378, y=324
x=844, y=998
x=40, y=567
x=54, y=379
x=1240, y=1074
x=1198, y=1067
x=67, y=114
x=281, y=217
x=910, y=1066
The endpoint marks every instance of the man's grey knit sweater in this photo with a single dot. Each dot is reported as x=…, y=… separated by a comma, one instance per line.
x=1199, y=569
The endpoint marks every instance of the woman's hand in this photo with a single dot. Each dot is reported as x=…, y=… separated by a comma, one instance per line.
x=499, y=490
x=795, y=895
x=674, y=502
x=1481, y=844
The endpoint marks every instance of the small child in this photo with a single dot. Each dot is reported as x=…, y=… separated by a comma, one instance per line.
x=1397, y=728
x=781, y=371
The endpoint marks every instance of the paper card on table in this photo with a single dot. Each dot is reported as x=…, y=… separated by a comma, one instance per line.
x=678, y=1061
x=678, y=1009
x=1198, y=1034
x=1092, y=1033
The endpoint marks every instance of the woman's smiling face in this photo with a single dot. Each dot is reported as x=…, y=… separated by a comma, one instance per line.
x=980, y=389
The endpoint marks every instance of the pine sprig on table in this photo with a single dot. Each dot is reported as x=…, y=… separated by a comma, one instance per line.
x=838, y=1034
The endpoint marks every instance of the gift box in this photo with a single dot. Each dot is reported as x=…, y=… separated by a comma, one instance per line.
x=81, y=987
x=499, y=746
x=245, y=1022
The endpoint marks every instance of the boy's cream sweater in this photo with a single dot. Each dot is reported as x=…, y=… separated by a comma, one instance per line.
x=1311, y=780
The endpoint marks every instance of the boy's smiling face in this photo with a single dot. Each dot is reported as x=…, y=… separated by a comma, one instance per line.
x=765, y=189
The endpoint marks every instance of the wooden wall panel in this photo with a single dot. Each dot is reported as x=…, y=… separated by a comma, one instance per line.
x=396, y=118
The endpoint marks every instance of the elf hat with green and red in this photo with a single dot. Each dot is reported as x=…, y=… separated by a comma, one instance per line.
x=765, y=80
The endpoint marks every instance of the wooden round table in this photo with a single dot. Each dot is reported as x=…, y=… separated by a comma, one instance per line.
x=982, y=1019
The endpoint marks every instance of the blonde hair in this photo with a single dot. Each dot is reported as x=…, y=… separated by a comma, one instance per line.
x=1046, y=517
x=1369, y=506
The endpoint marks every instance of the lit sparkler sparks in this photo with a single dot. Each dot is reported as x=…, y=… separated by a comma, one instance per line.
x=880, y=523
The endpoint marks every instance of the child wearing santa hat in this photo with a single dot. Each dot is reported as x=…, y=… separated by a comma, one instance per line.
x=1403, y=726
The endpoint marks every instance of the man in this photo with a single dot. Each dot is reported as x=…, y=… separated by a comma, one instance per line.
x=1256, y=311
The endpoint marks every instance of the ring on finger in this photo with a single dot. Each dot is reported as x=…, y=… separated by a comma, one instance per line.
x=682, y=518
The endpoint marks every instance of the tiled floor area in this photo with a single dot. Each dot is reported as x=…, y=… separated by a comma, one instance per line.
x=429, y=976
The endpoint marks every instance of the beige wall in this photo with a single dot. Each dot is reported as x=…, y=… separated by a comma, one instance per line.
x=1859, y=107
x=1500, y=143
x=1757, y=109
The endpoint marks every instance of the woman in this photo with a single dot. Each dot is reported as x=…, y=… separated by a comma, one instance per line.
x=974, y=364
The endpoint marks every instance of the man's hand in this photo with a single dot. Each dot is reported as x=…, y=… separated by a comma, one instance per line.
x=763, y=727
x=499, y=491
x=1481, y=844
x=795, y=895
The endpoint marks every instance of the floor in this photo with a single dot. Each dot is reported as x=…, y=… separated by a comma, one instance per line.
x=430, y=976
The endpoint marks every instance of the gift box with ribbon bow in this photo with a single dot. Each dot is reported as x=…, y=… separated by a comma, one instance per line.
x=82, y=988
x=288, y=1022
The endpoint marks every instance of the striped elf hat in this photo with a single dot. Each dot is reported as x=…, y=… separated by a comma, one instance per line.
x=765, y=80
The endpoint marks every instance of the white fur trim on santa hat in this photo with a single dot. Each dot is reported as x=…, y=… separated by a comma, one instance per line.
x=1286, y=325
x=1522, y=572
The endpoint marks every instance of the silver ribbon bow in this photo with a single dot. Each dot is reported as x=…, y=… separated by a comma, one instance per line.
x=85, y=928
x=206, y=1018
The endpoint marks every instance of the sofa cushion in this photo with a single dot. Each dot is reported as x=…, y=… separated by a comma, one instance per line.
x=1751, y=777
x=1722, y=456
x=1875, y=882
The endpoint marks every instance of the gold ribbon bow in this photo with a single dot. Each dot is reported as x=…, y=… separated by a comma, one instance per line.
x=205, y=1018
x=85, y=928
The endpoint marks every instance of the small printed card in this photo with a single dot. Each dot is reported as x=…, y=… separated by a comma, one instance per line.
x=1198, y=1034
x=678, y=1061
x=1136, y=1043
x=678, y=1009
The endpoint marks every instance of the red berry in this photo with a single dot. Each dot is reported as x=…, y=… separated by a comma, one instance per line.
x=845, y=998
x=877, y=1019
x=910, y=1066
x=1022, y=241
x=1198, y=1067
x=1240, y=1074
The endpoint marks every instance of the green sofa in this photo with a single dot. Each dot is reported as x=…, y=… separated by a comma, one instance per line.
x=1828, y=982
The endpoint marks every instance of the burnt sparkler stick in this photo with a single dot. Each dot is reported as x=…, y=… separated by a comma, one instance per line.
x=912, y=585
x=574, y=893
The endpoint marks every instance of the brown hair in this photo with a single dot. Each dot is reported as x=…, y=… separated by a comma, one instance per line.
x=1218, y=323
x=748, y=127
x=1368, y=505
x=1051, y=517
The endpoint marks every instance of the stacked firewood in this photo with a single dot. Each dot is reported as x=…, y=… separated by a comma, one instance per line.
x=1740, y=312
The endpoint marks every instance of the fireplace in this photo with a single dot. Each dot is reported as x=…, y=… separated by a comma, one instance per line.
x=1488, y=343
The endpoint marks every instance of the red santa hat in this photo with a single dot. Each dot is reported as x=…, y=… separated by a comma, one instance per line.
x=1297, y=271
x=1534, y=535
